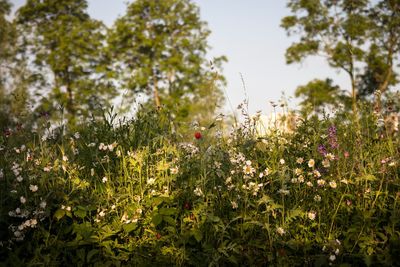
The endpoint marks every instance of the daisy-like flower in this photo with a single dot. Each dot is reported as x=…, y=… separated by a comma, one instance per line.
x=332, y=184
x=316, y=173
x=104, y=180
x=311, y=163
x=300, y=179
x=77, y=135
x=65, y=158
x=174, y=170
x=33, y=188
x=22, y=200
x=248, y=169
x=317, y=198
x=326, y=163
x=300, y=160
x=321, y=182
x=280, y=231
x=330, y=156
x=282, y=161
x=309, y=184
x=332, y=257
x=20, y=179
x=298, y=171
x=311, y=215
x=91, y=172
x=345, y=181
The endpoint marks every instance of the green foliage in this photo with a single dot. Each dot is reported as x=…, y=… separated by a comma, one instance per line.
x=66, y=42
x=160, y=50
x=358, y=37
x=318, y=95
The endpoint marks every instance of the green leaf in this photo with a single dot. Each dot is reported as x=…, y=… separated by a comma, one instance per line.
x=90, y=254
x=59, y=214
x=80, y=213
x=169, y=220
x=168, y=211
x=129, y=227
x=197, y=234
x=157, y=219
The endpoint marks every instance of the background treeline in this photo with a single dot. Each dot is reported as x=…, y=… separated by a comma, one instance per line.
x=58, y=62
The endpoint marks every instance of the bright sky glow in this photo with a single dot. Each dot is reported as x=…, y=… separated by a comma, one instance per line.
x=248, y=33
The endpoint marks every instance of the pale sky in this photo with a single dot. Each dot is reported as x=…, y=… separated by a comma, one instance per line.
x=248, y=33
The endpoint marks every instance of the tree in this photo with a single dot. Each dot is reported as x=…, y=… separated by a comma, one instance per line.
x=67, y=47
x=160, y=48
x=14, y=95
x=343, y=31
x=318, y=95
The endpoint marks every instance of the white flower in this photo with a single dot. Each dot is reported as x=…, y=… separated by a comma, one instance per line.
x=33, y=222
x=247, y=169
x=20, y=179
x=77, y=135
x=332, y=257
x=317, y=198
x=283, y=191
x=332, y=184
x=300, y=160
x=309, y=184
x=311, y=215
x=104, y=180
x=65, y=158
x=118, y=153
x=174, y=170
x=282, y=161
x=234, y=205
x=102, y=213
x=102, y=146
x=1, y=174
x=198, y=192
x=300, y=179
x=17, y=234
x=151, y=181
x=311, y=163
x=337, y=251
x=43, y=204
x=91, y=172
x=17, y=210
x=321, y=182
x=68, y=208
x=248, y=162
x=280, y=231
x=22, y=200
x=298, y=171
x=228, y=180
x=316, y=173
x=330, y=156
x=47, y=168
x=91, y=145
x=33, y=188
x=326, y=163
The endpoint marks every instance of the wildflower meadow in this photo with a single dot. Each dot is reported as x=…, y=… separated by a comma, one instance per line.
x=138, y=193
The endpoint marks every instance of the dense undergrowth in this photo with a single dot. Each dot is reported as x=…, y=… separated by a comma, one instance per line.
x=137, y=193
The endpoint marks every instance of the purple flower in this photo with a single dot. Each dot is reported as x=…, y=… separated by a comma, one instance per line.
x=322, y=150
x=332, y=138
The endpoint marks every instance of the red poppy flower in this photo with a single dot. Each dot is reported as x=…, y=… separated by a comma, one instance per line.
x=197, y=135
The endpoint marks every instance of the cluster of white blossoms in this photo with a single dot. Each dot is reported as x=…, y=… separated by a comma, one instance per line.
x=253, y=187
x=198, y=192
x=110, y=147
